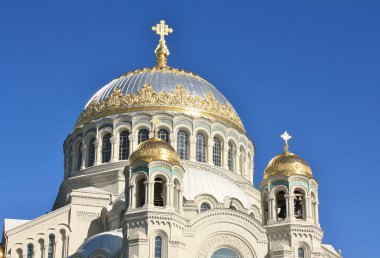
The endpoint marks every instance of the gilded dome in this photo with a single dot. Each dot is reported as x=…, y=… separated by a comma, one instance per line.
x=287, y=164
x=155, y=149
x=2, y=255
x=161, y=89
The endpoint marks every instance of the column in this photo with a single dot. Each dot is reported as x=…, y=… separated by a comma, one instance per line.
x=130, y=139
x=171, y=138
x=113, y=141
x=225, y=157
x=237, y=163
x=180, y=200
x=316, y=213
x=98, y=148
x=287, y=201
x=291, y=206
x=192, y=153
x=169, y=196
x=149, y=193
x=307, y=207
x=132, y=199
x=84, y=156
x=209, y=152
x=271, y=210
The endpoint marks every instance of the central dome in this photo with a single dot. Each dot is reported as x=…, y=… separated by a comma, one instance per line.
x=161, y=89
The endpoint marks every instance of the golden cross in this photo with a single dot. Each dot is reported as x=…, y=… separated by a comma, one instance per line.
x=162, y=29
x=155, y=122
x=286, y=137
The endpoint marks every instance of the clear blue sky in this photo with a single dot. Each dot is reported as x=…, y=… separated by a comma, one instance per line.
x=309, y=67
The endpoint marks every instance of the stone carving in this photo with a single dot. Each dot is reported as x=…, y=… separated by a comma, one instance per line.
x=214, y=242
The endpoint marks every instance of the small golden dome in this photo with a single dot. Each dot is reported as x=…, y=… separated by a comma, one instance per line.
x=2, y=255
x=155, y=149
x=287, y=164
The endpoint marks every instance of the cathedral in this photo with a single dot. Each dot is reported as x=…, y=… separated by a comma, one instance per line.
x=158, y=165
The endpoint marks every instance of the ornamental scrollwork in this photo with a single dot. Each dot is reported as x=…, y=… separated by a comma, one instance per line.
x=148, y=96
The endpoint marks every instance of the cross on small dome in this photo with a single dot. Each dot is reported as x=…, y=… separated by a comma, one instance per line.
x=286, y=137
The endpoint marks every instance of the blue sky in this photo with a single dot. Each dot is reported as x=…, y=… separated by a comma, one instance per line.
x=309, y=67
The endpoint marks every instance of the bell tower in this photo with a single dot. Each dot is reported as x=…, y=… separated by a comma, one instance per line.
x=153, y=220
x=290, y=206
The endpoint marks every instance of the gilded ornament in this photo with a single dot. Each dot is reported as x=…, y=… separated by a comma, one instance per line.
x=148, y=99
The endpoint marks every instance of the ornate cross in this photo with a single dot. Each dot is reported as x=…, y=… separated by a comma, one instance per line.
x=162, y=29
x=286, y=137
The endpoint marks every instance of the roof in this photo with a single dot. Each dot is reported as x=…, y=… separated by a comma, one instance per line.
x=199, y=181
x=161, y=80
x=13, y=223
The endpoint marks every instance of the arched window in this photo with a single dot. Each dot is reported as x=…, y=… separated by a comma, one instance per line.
x=163, y=134
x=143, y=135
x=205, y=207
x=51, y=247
x=124, y=145
x=281, y=205
x=42, y=247
x=140, y=192
x=217, y=152
x=157, y=247
x=225, y=253
x=159, y=192
x=298, y=205
x=182, y=144
x=19, y=253
x=301, y=253
x=29, y=253
x=79, y=155
x=230, y=156
x=201, y=148
x=91, y=153
x=106, y=148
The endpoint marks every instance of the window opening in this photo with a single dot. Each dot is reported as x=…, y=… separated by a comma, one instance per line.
x=124, y=145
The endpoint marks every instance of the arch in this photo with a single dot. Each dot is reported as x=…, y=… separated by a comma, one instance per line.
x=205, y=206
x=159, y=244
x=140, y=190
x=183, y=144
x=91, y=152
x=217, y=151
x=41, y=243
x=281, y=206
x=159, y=191
x=19, y=253
x=302, y=250
x=124, y=145
x=51, y=246
x=225, y=252
x=106, y=148
x=299, y=202
x=201, y=150
x=163, y=134
x=158, y=247
x=30, y=251
x=142, y=135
